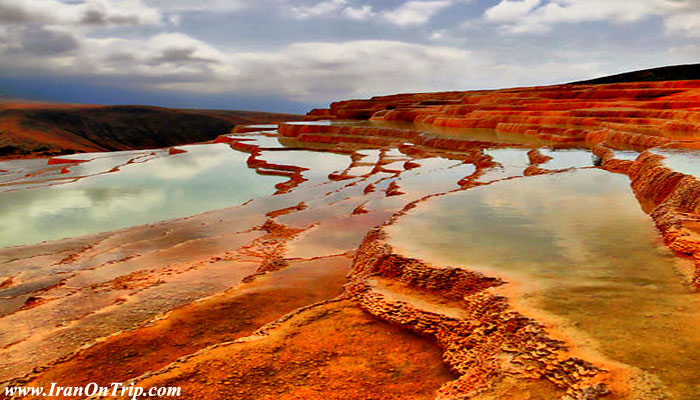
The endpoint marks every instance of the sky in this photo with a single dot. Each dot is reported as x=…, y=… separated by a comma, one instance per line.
x=294, y=55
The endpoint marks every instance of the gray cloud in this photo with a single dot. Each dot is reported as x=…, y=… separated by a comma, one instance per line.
x=36, y=42
x=320, y=50
x=180, y=55
x=89, y=12
x=100, y=17
x=13, y=13
x=45, y=42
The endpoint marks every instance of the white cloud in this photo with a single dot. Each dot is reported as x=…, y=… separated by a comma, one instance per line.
x=175, y=19
x=437, y=35
x=361, y=13
x=410, y=13
x=538, y=16
x=321, y=71
x=309, y=72
x=163, y=56
x=318, y=10
x=198, y=5
x=687, y=24
x=685, y=54
x=415, y=12
x=72, y=37
x=508, y=11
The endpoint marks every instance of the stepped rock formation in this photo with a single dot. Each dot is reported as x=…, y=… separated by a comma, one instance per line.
x=635, y=116
x=303, y=293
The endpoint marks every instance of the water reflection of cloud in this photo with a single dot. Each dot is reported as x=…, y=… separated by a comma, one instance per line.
x=544, y=223
x=195, y=162
x=70, y=211
x=565, y=206
x=318, y=163
x=207, y=177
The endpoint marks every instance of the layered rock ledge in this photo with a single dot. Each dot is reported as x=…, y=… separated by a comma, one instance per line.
x=300, y=294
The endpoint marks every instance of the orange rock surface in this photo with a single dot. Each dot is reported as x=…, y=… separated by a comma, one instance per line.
x=299, y=294
x=636, y=116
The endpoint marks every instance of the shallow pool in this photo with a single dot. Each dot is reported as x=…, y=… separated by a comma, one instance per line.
x=686, y=161
x=95, y=197
x=582, y=249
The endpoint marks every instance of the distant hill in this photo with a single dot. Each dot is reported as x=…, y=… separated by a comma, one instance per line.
x=35, y=128
x=670, y=73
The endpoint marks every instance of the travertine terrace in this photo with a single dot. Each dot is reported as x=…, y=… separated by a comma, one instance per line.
x=623, y=116
x=302, y=293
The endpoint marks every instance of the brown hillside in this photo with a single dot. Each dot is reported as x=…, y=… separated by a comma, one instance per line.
x=29, y=128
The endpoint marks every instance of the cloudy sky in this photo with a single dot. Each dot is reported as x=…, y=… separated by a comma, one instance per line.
x=291, y=55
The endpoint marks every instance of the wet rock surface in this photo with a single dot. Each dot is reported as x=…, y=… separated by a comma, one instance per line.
x=301, y=292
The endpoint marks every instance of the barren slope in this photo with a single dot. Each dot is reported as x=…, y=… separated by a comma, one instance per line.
x=28, y=128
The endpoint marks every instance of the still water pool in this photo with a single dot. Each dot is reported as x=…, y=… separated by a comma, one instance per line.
x=584, y=251
x=92, y=197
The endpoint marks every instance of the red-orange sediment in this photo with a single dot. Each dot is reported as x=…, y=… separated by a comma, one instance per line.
x=483, y=340
x=638, y=116
x=292, y=328
x=58, y=161
x=175, y=150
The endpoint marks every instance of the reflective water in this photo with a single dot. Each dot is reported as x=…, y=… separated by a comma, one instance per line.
x=577, y=242
x=567, y=158
x=338, y=122
x=476, y=134
x=263, y=127
x=318, y=164
x=584, y=251
x=686, y=161
x=205, y=177
x=629, y=155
